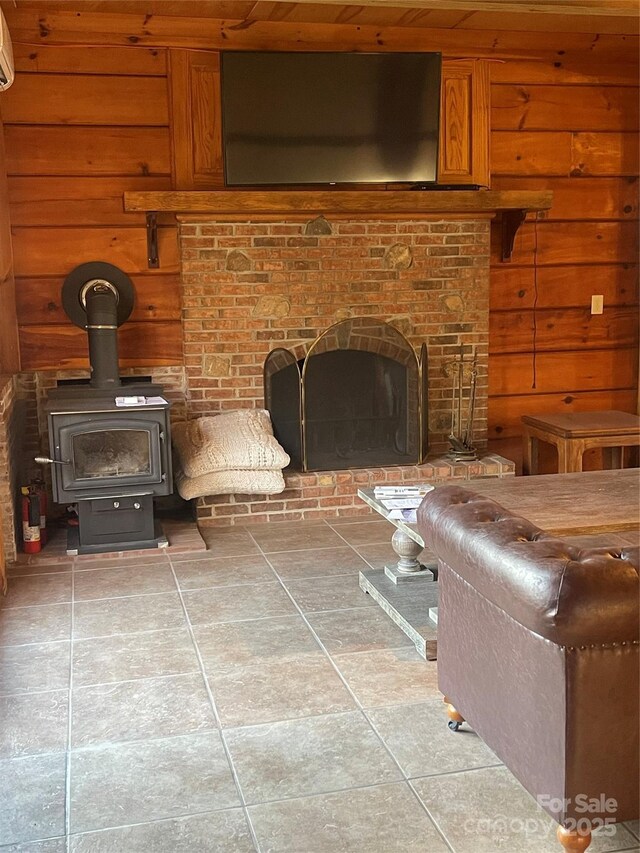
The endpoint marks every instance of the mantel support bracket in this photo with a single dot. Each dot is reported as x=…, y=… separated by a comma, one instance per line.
x=153, y=261
x=511, y=221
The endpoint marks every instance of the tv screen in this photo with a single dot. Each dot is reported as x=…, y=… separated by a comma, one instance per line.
x=325, y=118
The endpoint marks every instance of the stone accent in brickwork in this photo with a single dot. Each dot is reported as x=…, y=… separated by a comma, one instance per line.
x=398, y=257
x=272, y=307
x=216, y=365
x=238, y=262
x=319, y=225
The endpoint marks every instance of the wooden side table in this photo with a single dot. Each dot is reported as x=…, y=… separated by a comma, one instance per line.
x=575, y=432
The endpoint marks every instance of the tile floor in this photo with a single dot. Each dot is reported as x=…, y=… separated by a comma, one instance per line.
x=250, y=697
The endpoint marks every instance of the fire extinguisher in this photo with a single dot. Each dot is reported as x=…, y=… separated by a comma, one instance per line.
x=40, y=489
x=30, y=520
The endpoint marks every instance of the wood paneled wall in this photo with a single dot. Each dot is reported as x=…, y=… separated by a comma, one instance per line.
x=82, y=125
x=86, y=121
x=9, y=351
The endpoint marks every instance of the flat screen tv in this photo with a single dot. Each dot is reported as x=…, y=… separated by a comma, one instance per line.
x=330, y=118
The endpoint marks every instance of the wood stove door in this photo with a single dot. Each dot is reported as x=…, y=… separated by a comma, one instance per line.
x=110, y=452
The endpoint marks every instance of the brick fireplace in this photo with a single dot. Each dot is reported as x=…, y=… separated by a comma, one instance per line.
x=254, y=285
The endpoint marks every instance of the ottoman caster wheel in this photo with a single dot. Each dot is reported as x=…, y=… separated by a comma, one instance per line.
x=455, y=719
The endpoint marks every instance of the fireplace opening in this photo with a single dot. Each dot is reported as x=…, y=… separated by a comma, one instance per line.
x=357, y=398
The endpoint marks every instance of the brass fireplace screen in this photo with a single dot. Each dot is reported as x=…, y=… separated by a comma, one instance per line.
x=358, y=398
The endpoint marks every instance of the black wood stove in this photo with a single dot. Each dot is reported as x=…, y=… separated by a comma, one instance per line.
x=109, y=439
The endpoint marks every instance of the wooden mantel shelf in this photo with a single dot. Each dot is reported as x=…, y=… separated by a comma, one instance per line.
x=403, y=202
x=512, y=204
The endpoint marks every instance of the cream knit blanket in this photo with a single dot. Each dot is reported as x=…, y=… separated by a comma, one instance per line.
x=230, y=483
x=238, y=440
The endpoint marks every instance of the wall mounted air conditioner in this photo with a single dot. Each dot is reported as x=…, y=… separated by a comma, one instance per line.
x=6, y=56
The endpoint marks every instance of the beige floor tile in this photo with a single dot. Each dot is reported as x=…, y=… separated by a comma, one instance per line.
x=41, y=624
x=149, y=780
x=51, y=845
x=634, y=827
x=116, y=582
x=384, y=819
x=226, y=604
x=33, y=723
x=129, y=615
x=301, y=757
x=215, y=832
x=32, y=795
x=488, y=811
x=273, y=538
x=418, y=737
x=317, y=562
x=333, y=593
x=224, y=542
x=27, y=669
x=229, y=645
x=23, y=570
x=144, y=708
x=389, y=677
x=227, y=571
x=91, y=562
x=367, y=532
x=279, y=690
x=366, y=515
x=128, y=656
x=378, y=556
x=40, y=589
x=358, y=630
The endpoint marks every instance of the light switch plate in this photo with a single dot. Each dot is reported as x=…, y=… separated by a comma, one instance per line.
x=597, y=304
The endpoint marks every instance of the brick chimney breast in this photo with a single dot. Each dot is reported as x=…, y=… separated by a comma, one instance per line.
x=249, y=287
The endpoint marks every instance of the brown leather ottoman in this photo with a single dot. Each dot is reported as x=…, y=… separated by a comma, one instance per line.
x=538, y=649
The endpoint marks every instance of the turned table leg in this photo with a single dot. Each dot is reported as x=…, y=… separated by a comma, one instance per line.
x=408, y=551
x=409, y=567
x=573, y=841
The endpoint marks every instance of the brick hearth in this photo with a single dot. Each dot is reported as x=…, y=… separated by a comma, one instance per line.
x=332, y=494
x=249, y=287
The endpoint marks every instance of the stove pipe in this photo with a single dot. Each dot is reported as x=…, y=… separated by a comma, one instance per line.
x=100, y=298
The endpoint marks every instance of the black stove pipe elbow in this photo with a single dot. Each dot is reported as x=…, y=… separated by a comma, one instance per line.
x=101, y=301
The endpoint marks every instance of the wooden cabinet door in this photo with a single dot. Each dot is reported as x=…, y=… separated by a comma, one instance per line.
x=463, y=157
x=196, y=132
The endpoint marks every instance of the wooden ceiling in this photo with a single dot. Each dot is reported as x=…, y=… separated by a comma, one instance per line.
x=585, y=16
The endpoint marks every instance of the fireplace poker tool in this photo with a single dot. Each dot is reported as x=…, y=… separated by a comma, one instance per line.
x=462, y=449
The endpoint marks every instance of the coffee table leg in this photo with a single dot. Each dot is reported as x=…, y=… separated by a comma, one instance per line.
x=530, y=455
x=407, y=550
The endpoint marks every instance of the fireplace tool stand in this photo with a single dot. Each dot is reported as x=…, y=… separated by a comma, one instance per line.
x=109, y=440
x=461, y=437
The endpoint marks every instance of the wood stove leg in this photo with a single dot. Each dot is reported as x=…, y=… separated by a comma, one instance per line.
x=573, y=841
x=455, y=719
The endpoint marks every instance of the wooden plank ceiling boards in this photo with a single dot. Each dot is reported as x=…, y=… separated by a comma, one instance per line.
x=613, y=16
